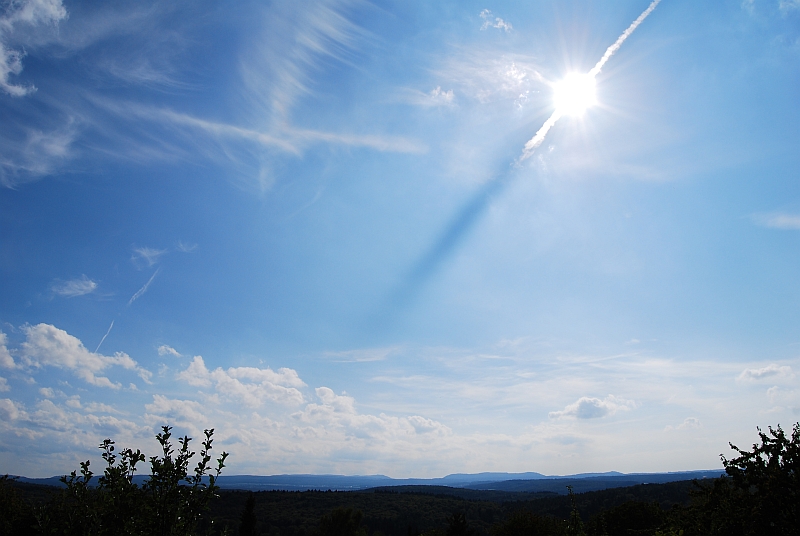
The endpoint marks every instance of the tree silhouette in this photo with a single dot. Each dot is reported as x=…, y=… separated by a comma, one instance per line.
x=342, y=522
x=759, y=494
x=248, y=526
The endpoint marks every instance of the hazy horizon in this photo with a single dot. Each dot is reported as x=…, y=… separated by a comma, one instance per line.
x=356, y=237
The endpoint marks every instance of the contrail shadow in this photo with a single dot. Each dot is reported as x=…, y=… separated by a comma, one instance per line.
x=445, y=245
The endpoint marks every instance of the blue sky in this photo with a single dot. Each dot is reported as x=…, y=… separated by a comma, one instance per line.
x=307, y=225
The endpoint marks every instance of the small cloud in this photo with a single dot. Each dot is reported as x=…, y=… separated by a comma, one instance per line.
x=4, y=385
x=689, y=423
x=186, y=247
x=47, y=392
x=788, y=5
x=98, y=407
x=75, y=287
x=498, y=23
x=365, y=355
x=593, y=408
x=168, y=350
x=784, y=398
x=436, y=97
x=770, y=371
x=422, y=425
x=439, y=97
x=148, y=255
x=777, y=220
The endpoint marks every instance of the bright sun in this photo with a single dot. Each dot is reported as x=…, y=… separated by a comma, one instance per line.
x=574, y=94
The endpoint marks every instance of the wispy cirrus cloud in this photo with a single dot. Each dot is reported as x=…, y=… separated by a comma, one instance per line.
x=282, y=136
x=364, y=355
x=186, y=247
x=778, y=220
x=287, y=50
x=487, y=76
x=434, y=98
x=295, y=40
x=74, y=287
x=246, y=149
x=33, y=152
x=150, y=256
x=168, y=350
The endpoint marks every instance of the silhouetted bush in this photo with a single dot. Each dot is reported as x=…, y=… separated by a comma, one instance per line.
x=171, y=502
x=759, y=494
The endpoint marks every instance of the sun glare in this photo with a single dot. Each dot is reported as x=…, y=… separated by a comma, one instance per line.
x=574, y=94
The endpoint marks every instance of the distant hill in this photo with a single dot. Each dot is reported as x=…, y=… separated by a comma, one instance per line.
x=505, y=482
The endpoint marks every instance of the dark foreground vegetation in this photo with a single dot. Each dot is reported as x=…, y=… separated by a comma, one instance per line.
x=758, y=495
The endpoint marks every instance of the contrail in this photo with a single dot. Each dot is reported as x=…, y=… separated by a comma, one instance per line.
x=144, y=288
x=104, y=336
x=610, y=51
x=133, y=299
x=538, y=138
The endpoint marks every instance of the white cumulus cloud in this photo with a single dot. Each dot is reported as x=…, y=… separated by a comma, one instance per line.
x=593, y=408
x=9, y=410
x=46, y=345
x=770, y=371
x=185, y=413
x=336, y=419
x=250, y=385
x=6, y=361
x=19, y=16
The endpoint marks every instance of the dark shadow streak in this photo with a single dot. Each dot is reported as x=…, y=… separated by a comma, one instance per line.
x=444, y=247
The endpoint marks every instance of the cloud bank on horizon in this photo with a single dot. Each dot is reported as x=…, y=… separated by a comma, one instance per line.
x=218, y=198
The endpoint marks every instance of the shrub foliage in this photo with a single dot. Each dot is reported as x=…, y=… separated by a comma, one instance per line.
x=172, y=501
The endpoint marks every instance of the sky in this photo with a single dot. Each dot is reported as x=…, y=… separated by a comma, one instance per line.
x=314, y=227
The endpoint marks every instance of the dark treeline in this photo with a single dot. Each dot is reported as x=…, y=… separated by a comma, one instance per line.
x=758, y=495
x=418, y=511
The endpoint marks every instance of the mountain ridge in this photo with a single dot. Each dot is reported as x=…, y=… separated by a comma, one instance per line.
x=499, y=481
